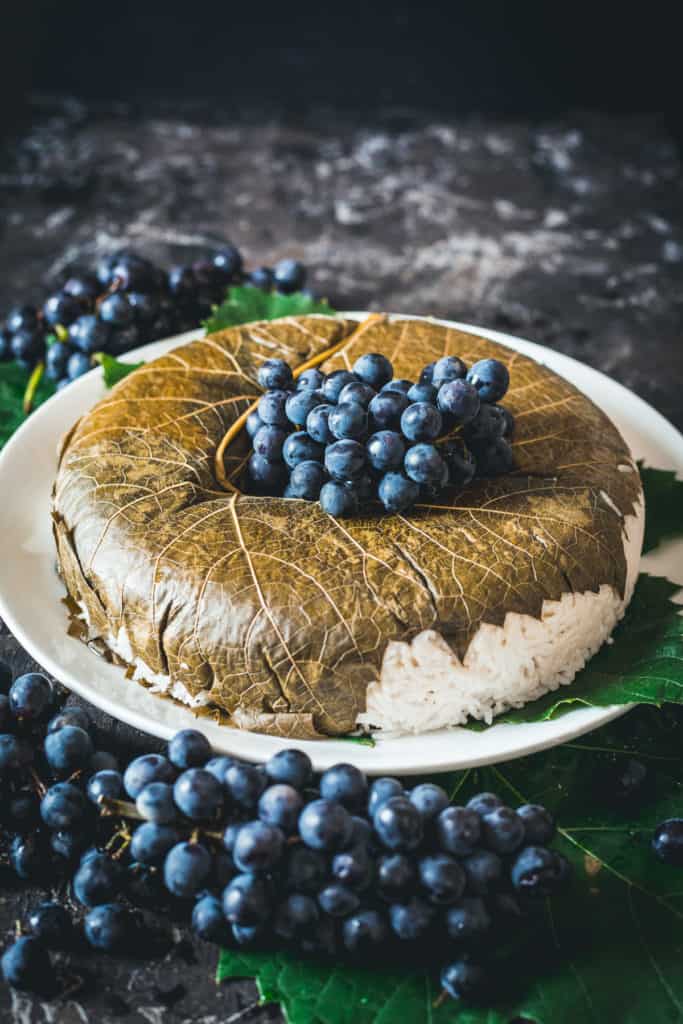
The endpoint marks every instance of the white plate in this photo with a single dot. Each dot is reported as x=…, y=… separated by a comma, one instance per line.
x=31, y=592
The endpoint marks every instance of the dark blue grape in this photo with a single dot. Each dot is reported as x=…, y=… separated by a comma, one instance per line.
x=189, y=748
x=272, y=408
x=134, y=273
x=105, y=784
x=334, y=383
x=30, y=696
x=63, y=806
x=385, y=450
x=442, y=877
x=68, y=750
x=103, y=760
x=116, y=310
x=362, y=832
x=429, y=799
x=290, y=276
x=145, y=769
x=300, y=403
x=458, y=830
x=186, y=868
x=15, y=755
x=400, y=384
x=353, y=868
x=258, y=847
x=398, y=824
x=145, y=307
x=56, y=359
x=397, y=493
x=348, y=420
x=396, y=877
x=373, y=369
x=61, y=309
x=386, y=410
x=421, y=422
x=155, y=803
x=218, y=766
x=151, y=842
x=208, y=921
x=305, y=870
x=424, y=465
x=22, y=318
x=317, y=424
x=357, y=391
x=24, y=810
x=412, y=920
x=484, y=871
x=110, y=928
x=538, y=871
x=469, y=921
x=228, y=260
x=123, y=339
x=337, y=900
x=98, y=880
x=249, y=936
x=280, y=805
x=502, y=831
x=459, y=400
x=247, y=900
x=380, y=791
x=445, y=369
x=345, y=784
x=325, y=825
x=291, y=766
x=82, y=286
x=300, y=447
x=198, y=795
x=484, y=803
x=27, y=347
x=262, y=278
x=89, y=334
x=310, y=380
x=68, y=844
x=27, y=856
x=51, y=924
x=296, y=916
x=345, y=460
x=245, y=783
x=338, y=500
x=78, y=364
x=667, y=842
x=495, y=459
x=489, y=424
x=275, y=374
x=491, y=378
x=463, y=979
x=268, y=442
x=253, y=424
x=182, y=283
x=460, y=463
x=306, y=481
x=364, y=932
x=423, y=392
x=26, y=965
x=267, y=477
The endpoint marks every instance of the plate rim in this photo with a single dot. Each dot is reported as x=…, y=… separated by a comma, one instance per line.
x=576, y=723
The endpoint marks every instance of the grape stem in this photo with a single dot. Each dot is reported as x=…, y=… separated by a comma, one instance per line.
x=32, y=386
x=235, y=428
x=440, y=999
x=109, y=806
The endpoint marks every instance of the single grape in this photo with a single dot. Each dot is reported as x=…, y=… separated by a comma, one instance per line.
x=186, y=868
x=491, y=378
x=317, y=424
x=110, y=928
x=198, y=795
x=182, y=283
x=442, y=877
x=51, y=924
x=68, y=750
x=133, y=272
x=291, y=766
x=348, y=420
x=357, y=392
x=272, y=408
x=345, y=460
x=98, y=880
x=380, y=791
x=77, y=365
x=189, y=748
x=489, y=424
x=458, y=830
x=459, y=400
x=460, y=462
x=325, y=825
x=353, y=868
x=105, y=784
x=218, y=766
x=63, y=806
x=423, y=392
x=68, y=844
x=299, y=404
x=345, y=784
x=469, y=921
x=385, y=450
x=396, y=877
x=386, y=410
x=258, y=847
x=145, y=769
x=429, y=799
x=152, y=841
x=247, y=900
x=208, y=921
x=502, y=831
x=334, y=384
x=397, y=493
x=155, y=803
x=667, y=841
x=27, y=856
x=306, y=481
x=338, y=500
x=145, y=307
x=116, y=310
x=245, y=783
x=56, y=360
x=446, y=369
x=30, y=696
x=463, y=979
x=421, y=422
x=296, y=916
x=228, y=260
x=22, y=318
x=496, y=459
x=15, y=755
x=398, y=824
x=337, y=900
x=362, y=834
x=305, y=870
x=89, y=334
x=412, y=920
x=275, y=374
x=27, y=346
x=484, y=872
x=373, y=369
x=310, y=380
x=267, y=477
x=26, y=965
x=484, y=803
x=290, y=276
x=253, y=424
x=262, y=278
x=83, y=286
x=539, y=824
x=538, y=871
x=364, y=932
x=299, y=447
x=280, y=805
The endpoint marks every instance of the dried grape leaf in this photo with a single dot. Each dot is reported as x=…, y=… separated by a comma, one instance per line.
x=277, y=612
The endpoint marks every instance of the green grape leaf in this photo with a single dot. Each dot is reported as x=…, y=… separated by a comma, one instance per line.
x=606, y=951
x=114, y=370
x=663, y=506
x=244, y=304
x=13, y=382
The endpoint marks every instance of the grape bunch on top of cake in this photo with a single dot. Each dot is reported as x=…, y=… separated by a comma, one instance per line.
x=441, y=557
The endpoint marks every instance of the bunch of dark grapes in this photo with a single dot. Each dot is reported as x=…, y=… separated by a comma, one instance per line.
x=126, y=302
x=264, y=857
x=358, y=436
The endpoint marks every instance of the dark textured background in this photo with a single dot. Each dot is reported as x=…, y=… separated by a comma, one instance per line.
x=419, y=163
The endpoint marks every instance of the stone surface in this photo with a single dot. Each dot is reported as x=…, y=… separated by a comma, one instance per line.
x=568, y=233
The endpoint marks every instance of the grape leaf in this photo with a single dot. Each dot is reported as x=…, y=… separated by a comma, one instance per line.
x=13, y=381
x=114, y=370
x=663, y=506
x=245, y=304
x=608, y=951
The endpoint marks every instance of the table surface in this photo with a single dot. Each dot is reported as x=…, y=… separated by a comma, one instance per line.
x=568, y=233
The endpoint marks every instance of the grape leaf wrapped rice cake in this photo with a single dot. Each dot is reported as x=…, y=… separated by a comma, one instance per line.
x=303, y=625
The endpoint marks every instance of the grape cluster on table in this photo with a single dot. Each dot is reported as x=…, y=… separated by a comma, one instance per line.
x=261, y=857
x=359, y=436
x=128, y=301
